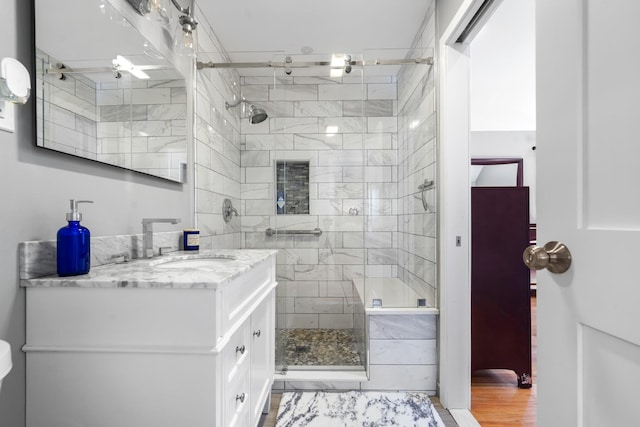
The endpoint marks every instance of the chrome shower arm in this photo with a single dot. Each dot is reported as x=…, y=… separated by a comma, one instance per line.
x=240, y=101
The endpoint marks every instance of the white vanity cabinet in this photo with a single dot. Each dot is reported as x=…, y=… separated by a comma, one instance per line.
x=156, y=356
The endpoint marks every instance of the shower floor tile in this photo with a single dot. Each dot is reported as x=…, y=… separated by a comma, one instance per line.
x=325, y=347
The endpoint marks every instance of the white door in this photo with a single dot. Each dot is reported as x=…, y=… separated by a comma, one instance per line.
x=588, y=109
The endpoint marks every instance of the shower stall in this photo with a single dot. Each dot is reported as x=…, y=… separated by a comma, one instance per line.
x=339, y=178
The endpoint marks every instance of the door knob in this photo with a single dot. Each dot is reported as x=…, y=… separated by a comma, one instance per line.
x=554, y=256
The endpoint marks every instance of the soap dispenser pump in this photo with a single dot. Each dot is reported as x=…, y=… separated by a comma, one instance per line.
x=74, y=246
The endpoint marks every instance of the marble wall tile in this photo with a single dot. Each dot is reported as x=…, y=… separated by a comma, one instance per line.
x=247, y=128
x=110, y=97
x=336, y=321
x=382, y=256
x=294, y=93
x=122, y=113
x=339, y=92
x=173, y=144
x=302, y=321
x=399, y=327
x=330, y=190
x=69, y=101
x=317, y=142
x=258, y=174
x=298, y=256
x=382, y=124
x=341, y=256
x=379, y=270
x=381, y=157
x=342, y=223
x=61, y=116
x=151, y=128
x=256, y=92
x=343, y=125
x=298, y=288
x=382, y=91
x=318, y=272
x=326, y=174
x=269, y=142
x=402, y=377
x=317, y=108
x=150, y=161
x=325, y=207
x=340, y=158
x=294, y=125
x=403, y=352
x=151, y=96
x=369, y=108
x=318, y=305
x=166, y=111
x=255, y=158
x=86, y=126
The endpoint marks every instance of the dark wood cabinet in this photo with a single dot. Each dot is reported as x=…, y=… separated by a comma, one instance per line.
x=500, y=283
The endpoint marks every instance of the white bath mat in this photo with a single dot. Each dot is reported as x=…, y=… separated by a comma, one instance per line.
x=356, y=409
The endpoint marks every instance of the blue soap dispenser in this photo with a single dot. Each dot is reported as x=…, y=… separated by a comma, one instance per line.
x=74, y=246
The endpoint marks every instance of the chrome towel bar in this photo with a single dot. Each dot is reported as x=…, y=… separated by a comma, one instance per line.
x=271, y=232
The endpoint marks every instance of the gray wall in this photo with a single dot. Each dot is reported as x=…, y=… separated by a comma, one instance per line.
x=35, y=188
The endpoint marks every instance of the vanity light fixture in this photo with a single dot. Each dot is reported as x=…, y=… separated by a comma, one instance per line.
x=155, y=10
x=15, y=88
x=15, y=81
x=123, y=64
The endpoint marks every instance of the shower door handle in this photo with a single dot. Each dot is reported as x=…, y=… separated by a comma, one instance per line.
x=554, y=256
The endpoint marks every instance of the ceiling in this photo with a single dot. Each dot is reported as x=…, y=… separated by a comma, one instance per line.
x=257, y=30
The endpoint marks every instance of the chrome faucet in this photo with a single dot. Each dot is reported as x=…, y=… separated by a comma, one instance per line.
x=147, y=233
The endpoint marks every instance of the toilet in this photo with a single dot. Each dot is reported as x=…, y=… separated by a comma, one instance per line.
x=5, y=360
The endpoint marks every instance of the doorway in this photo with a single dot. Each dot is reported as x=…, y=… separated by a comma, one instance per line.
x=463, y=137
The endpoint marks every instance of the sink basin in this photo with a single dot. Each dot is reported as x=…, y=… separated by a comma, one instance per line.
x=198, y=262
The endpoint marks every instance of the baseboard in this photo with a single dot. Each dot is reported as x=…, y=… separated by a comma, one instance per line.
x=464, y=418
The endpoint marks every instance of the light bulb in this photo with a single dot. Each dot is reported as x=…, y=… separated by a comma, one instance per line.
x=154, y=6
x=157, y=11
x=185, y=44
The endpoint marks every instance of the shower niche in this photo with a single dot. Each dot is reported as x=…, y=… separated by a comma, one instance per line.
x=292, y=187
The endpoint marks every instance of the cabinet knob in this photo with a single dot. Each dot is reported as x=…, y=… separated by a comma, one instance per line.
x=256, y=333
x=240, y=397
x=240, y=349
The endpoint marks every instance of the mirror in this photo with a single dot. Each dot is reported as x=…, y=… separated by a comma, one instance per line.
x=104, y=92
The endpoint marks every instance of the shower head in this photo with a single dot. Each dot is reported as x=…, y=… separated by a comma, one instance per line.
x=256, y=115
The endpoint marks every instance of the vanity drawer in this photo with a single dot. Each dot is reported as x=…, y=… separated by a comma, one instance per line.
x=235, y=355
x=237, y=399
x=242, y=293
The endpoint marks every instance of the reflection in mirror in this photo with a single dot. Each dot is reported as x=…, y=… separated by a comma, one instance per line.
x=105, y=93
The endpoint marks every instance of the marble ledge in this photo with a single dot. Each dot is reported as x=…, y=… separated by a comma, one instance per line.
x=143, y=273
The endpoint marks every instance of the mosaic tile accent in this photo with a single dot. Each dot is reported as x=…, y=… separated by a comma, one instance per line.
x=324, y=347
x=292, y=180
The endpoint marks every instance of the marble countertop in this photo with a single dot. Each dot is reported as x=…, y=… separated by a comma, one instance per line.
x=144, y=273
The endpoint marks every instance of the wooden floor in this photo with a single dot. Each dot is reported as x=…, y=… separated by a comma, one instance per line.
x=497, y=401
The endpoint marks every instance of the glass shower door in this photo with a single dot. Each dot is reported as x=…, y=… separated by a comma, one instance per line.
x=318, y=199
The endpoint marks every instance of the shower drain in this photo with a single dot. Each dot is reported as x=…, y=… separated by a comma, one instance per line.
x=303, y=349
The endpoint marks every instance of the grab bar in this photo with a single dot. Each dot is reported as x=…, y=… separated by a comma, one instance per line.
x=271, y=231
